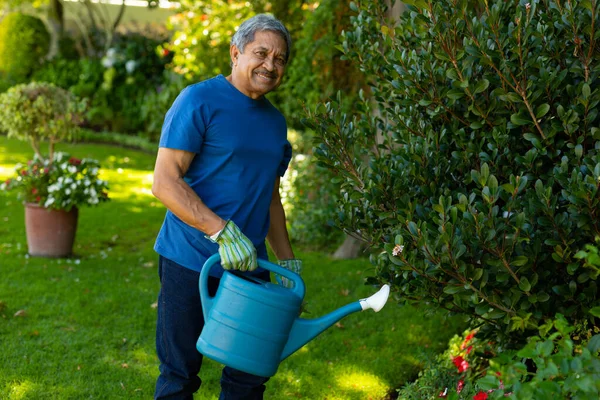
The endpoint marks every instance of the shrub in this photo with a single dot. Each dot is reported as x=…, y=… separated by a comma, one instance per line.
x=37, y=112
x=559, y=362
x=24, y=42
x=474, y=167
x=551, y=365
x=312, y=198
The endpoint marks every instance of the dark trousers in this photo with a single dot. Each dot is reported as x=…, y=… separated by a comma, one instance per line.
x=178, y=327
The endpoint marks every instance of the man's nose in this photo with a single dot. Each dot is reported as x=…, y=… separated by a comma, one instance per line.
x=269, y=64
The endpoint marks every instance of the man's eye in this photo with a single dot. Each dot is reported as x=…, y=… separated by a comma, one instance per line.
x=261, y=54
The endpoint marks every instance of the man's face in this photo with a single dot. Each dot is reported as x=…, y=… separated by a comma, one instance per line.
x=259, y=69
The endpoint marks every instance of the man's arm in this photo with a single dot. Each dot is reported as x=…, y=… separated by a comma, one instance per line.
x=278, y=235
x=170, y=188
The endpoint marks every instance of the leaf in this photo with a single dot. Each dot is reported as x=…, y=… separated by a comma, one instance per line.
x=519, y=119
x=595, y=311
x=455, y=94
x=586, y=91
x=594, y=343
x=482, y=85
x=519, y=261
x=524, y=284
x=453, y=289
x=542, y=110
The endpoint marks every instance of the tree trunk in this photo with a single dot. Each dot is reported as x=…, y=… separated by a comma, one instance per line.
x=56, y=21
x=350, y=249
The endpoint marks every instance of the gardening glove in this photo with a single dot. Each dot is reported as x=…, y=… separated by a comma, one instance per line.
x=293, y=265
x=236, y=250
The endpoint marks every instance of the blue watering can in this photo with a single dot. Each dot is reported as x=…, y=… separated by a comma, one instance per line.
x=252, y=325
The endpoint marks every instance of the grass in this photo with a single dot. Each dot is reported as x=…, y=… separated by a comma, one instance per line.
x=83, y=327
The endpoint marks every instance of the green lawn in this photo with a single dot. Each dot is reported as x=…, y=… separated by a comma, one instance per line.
x=84, y=327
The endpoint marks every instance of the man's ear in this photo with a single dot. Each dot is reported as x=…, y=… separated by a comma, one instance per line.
x=233, y=53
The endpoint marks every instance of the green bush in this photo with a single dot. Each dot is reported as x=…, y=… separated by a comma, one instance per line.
x=312, y=198
x=317, y=69
x=474, y=167
x=37, y=112
x=551, y=366
x=24, y=42
x=560, y=362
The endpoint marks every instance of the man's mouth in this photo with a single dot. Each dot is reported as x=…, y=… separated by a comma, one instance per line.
x=266, y=76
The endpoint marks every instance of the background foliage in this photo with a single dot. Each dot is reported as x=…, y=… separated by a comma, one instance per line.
x=475, y=170
x=24, y=42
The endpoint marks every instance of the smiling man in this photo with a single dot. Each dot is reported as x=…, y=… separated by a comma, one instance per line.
x=222, y=151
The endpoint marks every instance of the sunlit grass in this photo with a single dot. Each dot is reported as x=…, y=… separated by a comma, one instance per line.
x=84, y=327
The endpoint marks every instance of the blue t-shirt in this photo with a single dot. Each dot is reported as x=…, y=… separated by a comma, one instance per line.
x=241, y=147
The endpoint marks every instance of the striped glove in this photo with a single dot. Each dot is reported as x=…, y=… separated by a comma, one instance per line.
x=236, y=250
x=293, y=265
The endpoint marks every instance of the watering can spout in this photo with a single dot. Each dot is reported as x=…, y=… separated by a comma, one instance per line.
x=304, y=330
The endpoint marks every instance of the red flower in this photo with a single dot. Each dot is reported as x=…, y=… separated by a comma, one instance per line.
x=165, y=52
x=467, y=340
x=23, y=172
x=34, y=191
x=443, y=394
x=480, y=396
x=460, y=363
x=7, y=182
x=74, y=161
x=469, y=349
x=46, y=170
x=38, y=198
x=459, y=386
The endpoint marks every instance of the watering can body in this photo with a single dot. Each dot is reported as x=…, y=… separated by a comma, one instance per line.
x=252, y=325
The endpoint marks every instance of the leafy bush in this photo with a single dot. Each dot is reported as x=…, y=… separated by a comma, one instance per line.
x=37, y=112
x=24, y=42
x=474, y=167
x=202, y=31
x=312, y=198
x=558, y=362
x=317, y=69
x=157, y=102
x=562, y=369
x=61, y=72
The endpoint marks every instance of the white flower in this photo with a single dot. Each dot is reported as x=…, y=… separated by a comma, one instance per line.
x=73, y=186
x=68, y=180
x=93, y=192
x=67, y=191
x=397, y=250
x=107, y=62
x=53, y=188
x=111, y=53
x=87, y=182
x=49, y=201
x=72, y=169
x=130, y=66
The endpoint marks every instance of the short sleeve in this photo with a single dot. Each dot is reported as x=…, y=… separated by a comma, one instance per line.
x=285, y=161
x=184, y=126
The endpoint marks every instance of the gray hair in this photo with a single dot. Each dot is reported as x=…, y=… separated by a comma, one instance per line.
x=259, y=23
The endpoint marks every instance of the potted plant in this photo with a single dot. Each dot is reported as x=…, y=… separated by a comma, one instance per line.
x=52, y=186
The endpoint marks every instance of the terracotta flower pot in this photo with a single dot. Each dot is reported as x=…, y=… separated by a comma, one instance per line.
x=50, y=233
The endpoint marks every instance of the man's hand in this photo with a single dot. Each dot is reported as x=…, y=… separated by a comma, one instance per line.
x=236, y=250
x=293, y=265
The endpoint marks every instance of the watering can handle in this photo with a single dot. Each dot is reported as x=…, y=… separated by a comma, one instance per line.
x=207, y=300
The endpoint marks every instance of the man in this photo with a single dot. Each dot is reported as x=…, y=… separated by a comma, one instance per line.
x=222, y=151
